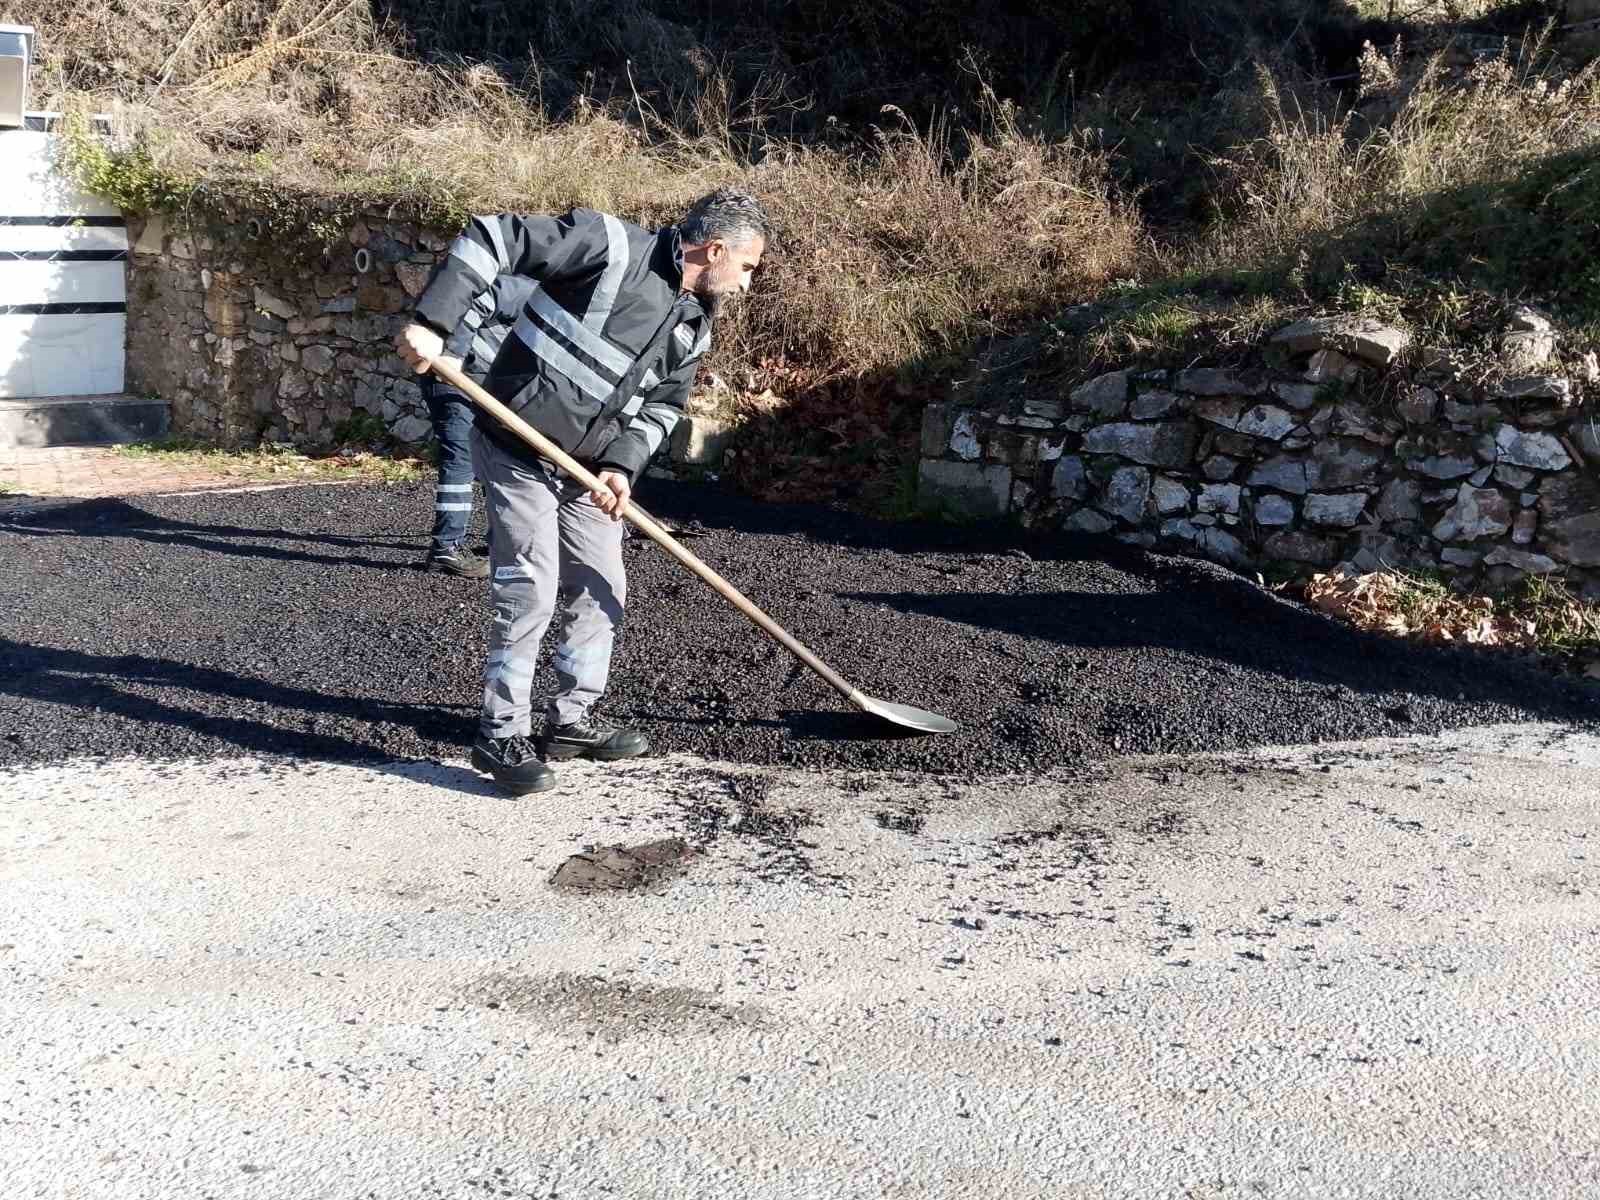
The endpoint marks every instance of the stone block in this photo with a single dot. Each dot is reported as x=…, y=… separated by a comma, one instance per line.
x=1360, y=337
x=1069, y=480
x=1569, y=526
x=1525, y=527
x=1152, y=405
x=317, y=359
x=1523, y=318
x=413, y=278
x=386, y=249
x=1019, y=451
x=1340, y=510
x=1554, y=388
x=1286, y=475
x=965, y=443
x=1463, y=559
x=1354, y=420
x=1044, y=409
x=1345, y=464
x=1260, y=421
x=1105, y=396
x=700, y=441
x=1294, y=547
x=973, y=488
x=938, y=421
x=1168, y=495
x=1514, y=477
x=1525, y=351
x=293, y=384
x=1535, y=451
x=1274, y=510
x=1218, y=498
x=1477, y=513
x=152, y=237
x=1471, y=414
x=1235, y=445
x=408, y=393
x=1444, y=466
x=1420, y=406
x=411, y=428
x=1127, y=494
x=272, y=303
x=1219, y=468
x=1299, y=396
x=1086, y=520
x=1400, y=501
x=1215, y=381
x=1167, y=444
x=1329, y=366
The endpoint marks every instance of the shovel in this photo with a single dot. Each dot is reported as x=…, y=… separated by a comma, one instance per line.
x=903, y=715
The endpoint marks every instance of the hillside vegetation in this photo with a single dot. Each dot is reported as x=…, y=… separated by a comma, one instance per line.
x=940, y=173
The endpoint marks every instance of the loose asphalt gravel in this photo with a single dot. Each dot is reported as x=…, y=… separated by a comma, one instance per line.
x=296, y=622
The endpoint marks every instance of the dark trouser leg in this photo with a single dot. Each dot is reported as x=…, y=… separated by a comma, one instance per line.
x=452, y=430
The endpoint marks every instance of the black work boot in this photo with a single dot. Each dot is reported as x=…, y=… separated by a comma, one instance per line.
x=591, y=738
x=514, y=764
x=456, y=560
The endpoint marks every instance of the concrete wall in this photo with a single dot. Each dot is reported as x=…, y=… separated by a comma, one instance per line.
x=1352, y=447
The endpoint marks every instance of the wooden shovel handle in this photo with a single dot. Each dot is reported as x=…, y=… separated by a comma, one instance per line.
x=545, y=448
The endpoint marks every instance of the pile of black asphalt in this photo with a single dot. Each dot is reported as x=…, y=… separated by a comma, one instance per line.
x=296, y=622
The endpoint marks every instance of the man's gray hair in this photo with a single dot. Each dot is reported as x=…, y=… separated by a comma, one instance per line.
x=728, y=215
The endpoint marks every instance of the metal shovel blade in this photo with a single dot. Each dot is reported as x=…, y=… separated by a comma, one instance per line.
x=903, y=715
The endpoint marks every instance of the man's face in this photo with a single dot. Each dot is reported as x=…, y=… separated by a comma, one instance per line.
x=728, y=270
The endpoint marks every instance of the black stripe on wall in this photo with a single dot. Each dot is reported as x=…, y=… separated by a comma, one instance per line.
x=98, y=222
x=62, y=255
x=58, y=310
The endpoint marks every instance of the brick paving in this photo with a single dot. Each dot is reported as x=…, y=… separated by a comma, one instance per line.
x=30, y=474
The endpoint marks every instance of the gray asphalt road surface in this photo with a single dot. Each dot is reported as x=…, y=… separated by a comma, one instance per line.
x=1363, y=970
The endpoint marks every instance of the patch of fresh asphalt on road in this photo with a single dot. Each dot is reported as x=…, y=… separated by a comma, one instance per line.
x=1359, y=970
x=295, y=622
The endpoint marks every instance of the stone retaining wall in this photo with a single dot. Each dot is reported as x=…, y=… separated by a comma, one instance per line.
x=1353, y=447
x=250, y=340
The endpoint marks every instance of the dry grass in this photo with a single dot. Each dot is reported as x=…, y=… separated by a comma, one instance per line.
x=280, y=463
x=1319, y=171
x=1541, y=616
x=886, y=255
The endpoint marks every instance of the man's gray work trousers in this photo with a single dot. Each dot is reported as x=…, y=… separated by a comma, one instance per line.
x=545, y=532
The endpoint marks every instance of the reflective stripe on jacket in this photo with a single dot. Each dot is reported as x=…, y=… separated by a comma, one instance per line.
x=604, y=349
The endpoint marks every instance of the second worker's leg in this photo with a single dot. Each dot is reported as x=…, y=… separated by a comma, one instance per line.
x=452, y=496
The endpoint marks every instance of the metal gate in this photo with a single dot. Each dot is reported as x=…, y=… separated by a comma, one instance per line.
x=63, y=289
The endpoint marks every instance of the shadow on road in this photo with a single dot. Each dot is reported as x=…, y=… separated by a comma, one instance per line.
x=125, y=519
x=267, y=718
x=1232, y=620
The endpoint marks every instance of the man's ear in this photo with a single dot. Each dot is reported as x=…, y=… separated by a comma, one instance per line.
x=715, y=249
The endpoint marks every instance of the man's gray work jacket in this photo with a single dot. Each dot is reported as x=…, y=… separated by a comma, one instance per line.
x=480, y=334
x=604, y=352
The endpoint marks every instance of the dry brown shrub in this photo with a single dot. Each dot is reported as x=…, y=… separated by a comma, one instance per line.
x=1542, y=615
x=1320, y=168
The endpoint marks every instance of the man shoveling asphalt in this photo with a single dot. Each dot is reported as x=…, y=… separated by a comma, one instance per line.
x=600, y=361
